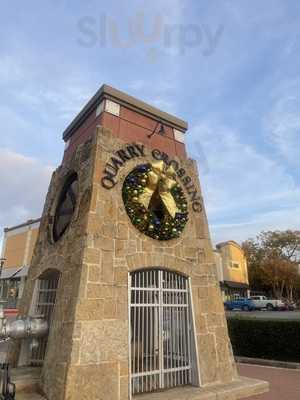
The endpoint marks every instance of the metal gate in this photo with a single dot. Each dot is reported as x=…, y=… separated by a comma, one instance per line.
x=44, y=305
x=161, y=330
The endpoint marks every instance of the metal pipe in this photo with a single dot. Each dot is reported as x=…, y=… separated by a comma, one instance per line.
x=23, y=328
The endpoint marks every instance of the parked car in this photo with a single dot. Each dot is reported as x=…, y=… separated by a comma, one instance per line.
x=261, y=302
x=289, y=306
x=241, y=303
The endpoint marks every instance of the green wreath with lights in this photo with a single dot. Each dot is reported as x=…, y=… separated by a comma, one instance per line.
x=154, y=202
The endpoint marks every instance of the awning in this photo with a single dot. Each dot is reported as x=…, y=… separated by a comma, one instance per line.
x=11, y=273
x=21, y=273
x=236, y=285
x=8, y=273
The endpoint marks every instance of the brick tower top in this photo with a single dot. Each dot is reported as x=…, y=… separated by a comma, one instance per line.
x=129, y=119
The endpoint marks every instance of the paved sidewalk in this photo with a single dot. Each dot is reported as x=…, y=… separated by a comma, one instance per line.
x=284, y=383
x=29, y=396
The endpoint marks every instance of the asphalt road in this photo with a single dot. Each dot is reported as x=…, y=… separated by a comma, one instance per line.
x=289, y=315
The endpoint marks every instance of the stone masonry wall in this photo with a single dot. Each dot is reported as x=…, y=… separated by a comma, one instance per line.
x=66, y=257
x=115, y=247
x=88, y=344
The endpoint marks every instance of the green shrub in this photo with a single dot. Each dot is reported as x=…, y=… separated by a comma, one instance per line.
x=268, y=339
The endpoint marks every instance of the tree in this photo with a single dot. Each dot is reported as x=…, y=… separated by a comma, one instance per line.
x=274, y=270
x=292, y=280
x=286, y=244
x=254, y=255
x=273, y=259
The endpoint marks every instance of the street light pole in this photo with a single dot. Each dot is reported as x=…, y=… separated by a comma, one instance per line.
x=2, y=261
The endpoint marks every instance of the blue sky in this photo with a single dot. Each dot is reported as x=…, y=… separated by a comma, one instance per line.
x=231, y=69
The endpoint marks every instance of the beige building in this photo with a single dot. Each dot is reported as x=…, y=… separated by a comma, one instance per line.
x=17, y=250
x=232, y=269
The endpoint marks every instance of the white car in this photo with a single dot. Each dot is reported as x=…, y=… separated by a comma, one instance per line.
x=270, y=304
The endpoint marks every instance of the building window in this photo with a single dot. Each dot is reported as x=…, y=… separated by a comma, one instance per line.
x=44, y=302
x=235, y=264
x=9, y=292
x=161, y=335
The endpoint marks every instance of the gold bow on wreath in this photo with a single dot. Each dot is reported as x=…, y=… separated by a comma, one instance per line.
x=160, y=181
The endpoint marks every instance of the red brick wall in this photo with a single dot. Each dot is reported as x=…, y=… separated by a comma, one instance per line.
x=130, y=126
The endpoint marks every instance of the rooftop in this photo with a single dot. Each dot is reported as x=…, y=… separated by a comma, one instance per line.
x=110, y=93
x=27, y=223
x=227, y=243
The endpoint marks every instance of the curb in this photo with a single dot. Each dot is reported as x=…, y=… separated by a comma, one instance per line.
x=267, y=363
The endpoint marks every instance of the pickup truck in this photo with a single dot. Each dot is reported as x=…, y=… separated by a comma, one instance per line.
x=241, y=303
x=270, y=304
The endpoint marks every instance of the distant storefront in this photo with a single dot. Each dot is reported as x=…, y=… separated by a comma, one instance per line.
x=234, y=289
x=11, y=286
x=232, y=270
x=18, y=245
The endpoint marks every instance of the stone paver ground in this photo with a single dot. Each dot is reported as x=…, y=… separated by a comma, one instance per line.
x=284, y=383
x=29, y=396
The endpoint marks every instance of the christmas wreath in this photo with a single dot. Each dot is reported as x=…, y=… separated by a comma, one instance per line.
x=154, y=201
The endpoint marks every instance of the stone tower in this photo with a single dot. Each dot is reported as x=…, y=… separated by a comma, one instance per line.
x=125, y=255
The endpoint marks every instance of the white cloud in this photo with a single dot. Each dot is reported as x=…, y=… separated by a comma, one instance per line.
x=34, y=85
x=10, y=71
x=24, y=182
x=160, y=95
x=245, y=191
x=65, y=100
x=137, y=85
x=282, y=123
x=163, y=104
x=255, y=223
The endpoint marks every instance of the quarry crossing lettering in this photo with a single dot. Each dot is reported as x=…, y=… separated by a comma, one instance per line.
x=120, y=157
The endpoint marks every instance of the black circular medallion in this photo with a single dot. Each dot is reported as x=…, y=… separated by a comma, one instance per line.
x=65, y=207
